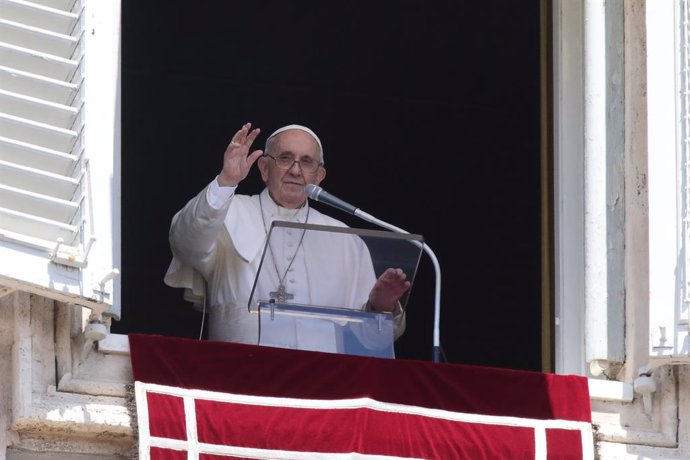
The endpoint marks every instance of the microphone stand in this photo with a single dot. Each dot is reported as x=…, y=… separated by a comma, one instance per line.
x=436, y=351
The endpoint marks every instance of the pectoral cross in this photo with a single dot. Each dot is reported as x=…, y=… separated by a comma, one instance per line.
x=281, y=295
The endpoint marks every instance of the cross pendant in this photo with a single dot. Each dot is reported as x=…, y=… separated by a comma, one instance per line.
x=281, y=295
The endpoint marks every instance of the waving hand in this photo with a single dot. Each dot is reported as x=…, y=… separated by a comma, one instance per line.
x=237, y=161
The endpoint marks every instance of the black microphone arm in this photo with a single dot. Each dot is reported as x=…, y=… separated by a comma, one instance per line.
x=318, y=194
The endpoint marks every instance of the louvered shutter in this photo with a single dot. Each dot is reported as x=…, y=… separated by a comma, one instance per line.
x=59, y=135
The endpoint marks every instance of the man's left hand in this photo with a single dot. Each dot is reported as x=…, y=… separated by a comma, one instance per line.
x=388, y=289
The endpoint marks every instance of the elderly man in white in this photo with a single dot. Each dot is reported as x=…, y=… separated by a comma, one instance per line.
x=217, y=239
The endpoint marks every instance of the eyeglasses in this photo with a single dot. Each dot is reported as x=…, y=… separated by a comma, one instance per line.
x=286, y=160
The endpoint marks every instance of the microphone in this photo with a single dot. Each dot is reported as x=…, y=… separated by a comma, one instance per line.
x=317, y=193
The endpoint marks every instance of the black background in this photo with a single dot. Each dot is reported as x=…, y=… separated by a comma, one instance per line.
x=428, y=112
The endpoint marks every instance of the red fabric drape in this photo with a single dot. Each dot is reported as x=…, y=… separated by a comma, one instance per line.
x=290, y=402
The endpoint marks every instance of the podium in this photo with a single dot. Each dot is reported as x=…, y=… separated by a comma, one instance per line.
x=313, y=283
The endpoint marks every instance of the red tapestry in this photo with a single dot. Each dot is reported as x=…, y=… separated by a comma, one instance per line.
x=213, y=400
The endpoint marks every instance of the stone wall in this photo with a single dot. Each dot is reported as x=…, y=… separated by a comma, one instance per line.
x=63, y=396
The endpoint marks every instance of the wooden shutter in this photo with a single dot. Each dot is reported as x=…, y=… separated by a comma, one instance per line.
x=59, y=133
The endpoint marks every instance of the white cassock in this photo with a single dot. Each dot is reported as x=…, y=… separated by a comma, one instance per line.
x=219, y=237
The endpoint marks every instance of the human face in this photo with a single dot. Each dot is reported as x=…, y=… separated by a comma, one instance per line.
x=286, y=186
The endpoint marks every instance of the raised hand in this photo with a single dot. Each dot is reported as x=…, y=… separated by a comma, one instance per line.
x=237, y=161
x=390, y=286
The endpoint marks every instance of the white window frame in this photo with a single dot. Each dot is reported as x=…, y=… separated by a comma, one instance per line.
x=667, y=163
x=666, y=188
x=569, y=188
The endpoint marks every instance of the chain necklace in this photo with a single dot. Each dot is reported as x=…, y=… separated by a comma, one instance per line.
x=280, y=295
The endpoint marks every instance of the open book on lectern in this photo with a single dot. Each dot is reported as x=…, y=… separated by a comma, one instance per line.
x=313, y=283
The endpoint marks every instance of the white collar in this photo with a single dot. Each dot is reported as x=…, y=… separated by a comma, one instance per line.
x=273, y=211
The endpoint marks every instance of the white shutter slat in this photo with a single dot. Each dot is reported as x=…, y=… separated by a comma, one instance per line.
x=37, y=15
x=38, y=39
x=37, y=227
x=64, y=5
x=48, y=89
x=44, y=64
x=40, y=134
x=44, y=205
x=38, y=181
x=37, y=110
x=33, y=156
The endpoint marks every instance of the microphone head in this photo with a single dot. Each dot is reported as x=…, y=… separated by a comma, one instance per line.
x=313, y=191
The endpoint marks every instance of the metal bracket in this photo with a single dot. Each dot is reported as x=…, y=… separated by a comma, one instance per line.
x=69, y=258
x=645, y=385
x=100, y=288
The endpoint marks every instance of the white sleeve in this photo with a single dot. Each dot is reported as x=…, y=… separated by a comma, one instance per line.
x=194, y=229
x=217, y=196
